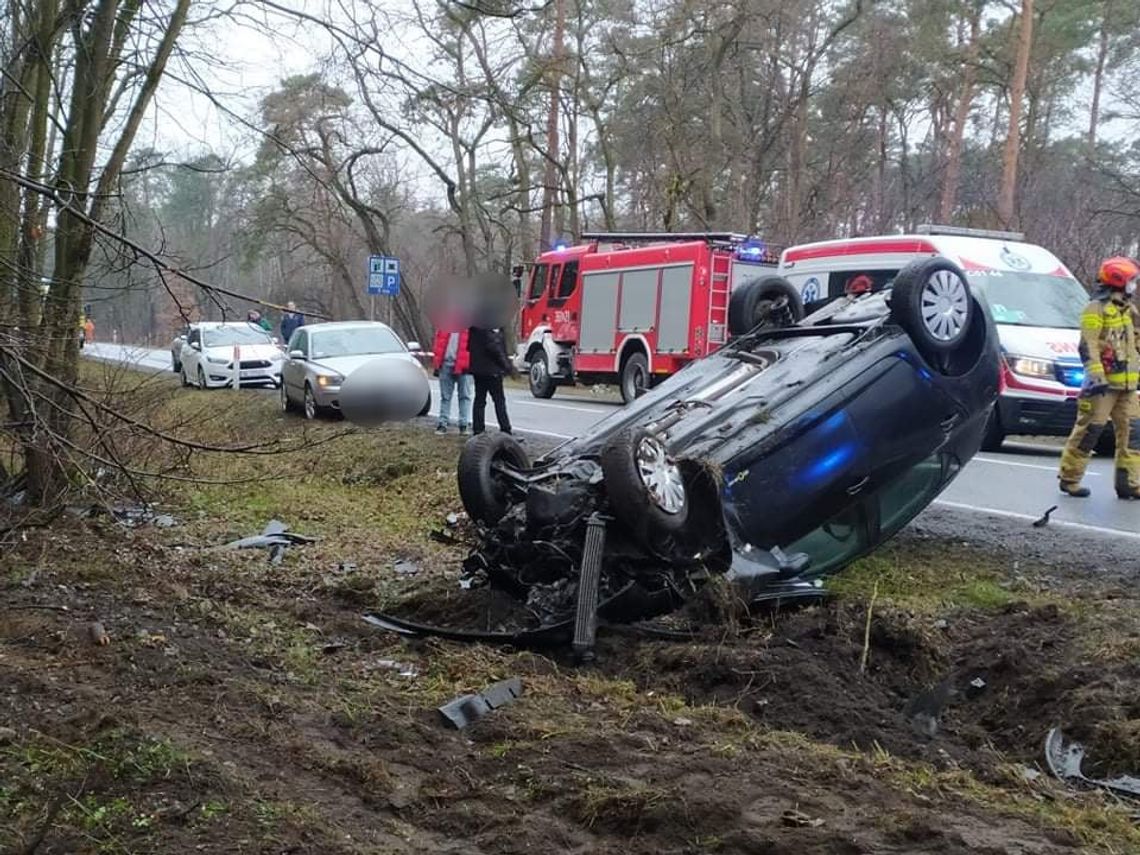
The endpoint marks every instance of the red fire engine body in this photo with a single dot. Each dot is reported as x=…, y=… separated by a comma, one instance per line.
x=631, y=308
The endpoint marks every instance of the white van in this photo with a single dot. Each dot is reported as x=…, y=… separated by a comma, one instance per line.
x=1035, y=301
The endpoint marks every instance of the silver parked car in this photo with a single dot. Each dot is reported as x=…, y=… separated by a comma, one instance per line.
x=321, y=356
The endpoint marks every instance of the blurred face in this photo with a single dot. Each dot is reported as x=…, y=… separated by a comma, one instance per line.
x=291, y=306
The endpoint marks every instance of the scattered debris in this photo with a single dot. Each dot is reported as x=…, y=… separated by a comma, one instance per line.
x=128, y=516
x=683, y=722
x=98, y=634
x=466, y=709
x=798, y=819
x=276, y=537
x=975, y=687
x=1044, y=520
x=1065, y=763
x=404, y=567
x=346, y=567
x=333, y=647
x=452, y=519
x=941, y=623
x=404, y=669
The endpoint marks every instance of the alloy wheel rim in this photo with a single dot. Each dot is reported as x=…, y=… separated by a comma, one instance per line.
x=310, y=405
x=944, y=305
x=660, y=476
x=537, y=372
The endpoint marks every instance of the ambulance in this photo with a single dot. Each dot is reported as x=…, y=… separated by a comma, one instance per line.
x=1035, y=300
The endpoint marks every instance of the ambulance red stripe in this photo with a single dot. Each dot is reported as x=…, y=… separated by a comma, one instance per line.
x=868, y=247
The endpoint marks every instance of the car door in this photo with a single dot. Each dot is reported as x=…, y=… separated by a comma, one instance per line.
x=293, y=374
x=191, y=354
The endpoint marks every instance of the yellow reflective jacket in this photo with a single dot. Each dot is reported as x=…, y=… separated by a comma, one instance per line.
x=1108, y=342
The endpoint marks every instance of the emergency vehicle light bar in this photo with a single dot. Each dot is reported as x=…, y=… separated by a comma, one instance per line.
x=958, y=231
x=650, y=236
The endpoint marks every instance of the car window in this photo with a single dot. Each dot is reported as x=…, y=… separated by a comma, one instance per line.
x=355, y=341
x=1031, y=299
x=300, y=341
x=904, y=497
x=538, y=281
x=835, y=542
x=194, y=337
x=238, y=334
x=566, y=281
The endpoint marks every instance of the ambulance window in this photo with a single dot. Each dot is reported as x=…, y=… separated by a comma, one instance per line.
x=566, y=281
x=538, y=281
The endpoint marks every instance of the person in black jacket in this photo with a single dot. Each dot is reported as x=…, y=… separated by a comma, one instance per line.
x=489, y=364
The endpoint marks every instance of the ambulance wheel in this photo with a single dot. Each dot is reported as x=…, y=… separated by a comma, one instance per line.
x=538, y=375
x=931, y=300
x=634, y=377
x=770, y=302
x=483, y=489
x=994, y=436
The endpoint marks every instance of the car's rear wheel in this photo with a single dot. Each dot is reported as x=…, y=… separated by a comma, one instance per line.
x=646, y=487
x=931, y=300
x=541, y=383
x=175, y=365
x=311, y=409
x=635, y=379
x=768, y=302
x=482, y=487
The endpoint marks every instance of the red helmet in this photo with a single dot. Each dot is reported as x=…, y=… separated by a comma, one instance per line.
x=860, y=284
x=1117, y=272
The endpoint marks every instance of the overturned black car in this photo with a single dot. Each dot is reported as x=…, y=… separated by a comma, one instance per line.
x=800, y=446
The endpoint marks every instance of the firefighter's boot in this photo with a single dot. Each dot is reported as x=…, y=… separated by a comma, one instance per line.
x=1074, y=489
x=1124, y=488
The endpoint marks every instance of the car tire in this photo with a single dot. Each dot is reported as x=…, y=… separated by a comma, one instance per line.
x=635, y=380
x=994, y=436
x=538, y=375
x=287, y=405
x=202, y=378
x=480, y=488
x=182, y=378
x=309, y=405
x=175, y=365
x=931, y=300
x=427, y=406
x=770, y=301
x=646, y=488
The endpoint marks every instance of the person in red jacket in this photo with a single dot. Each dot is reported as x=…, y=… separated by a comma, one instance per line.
x=452, y=363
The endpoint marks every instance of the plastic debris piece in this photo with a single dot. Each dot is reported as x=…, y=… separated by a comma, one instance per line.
x=1064, y=761
x=467, y=709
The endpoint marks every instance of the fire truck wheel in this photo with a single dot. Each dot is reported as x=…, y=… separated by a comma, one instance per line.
x=767, y=302
x=481, y=485
x=541, y=383
x=634, y=377
x=646, y=487
x=931, y=300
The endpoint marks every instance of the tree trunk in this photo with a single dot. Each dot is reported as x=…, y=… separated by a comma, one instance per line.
x=1008, y=190
x=1098, y=75
x=550, y=174
x=953, y=173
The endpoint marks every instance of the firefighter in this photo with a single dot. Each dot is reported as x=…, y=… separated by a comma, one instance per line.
x=1109, y=351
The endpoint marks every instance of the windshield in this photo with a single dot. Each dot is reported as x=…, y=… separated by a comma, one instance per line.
x=222, y=336
x=354, y=341
x=1031, y=299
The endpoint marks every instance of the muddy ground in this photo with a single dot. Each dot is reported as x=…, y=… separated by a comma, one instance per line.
x=240, y=706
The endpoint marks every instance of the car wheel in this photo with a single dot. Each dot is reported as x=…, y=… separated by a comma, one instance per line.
x=201, y=378
x=931, y=300
x=175, y=365
x=541, y=383
x=646, y=487
x=634, y=377
x=286, y=403
x=481, y=485
x=427, y=406
x=995, y=434
x=770, y=302
x=311, y=409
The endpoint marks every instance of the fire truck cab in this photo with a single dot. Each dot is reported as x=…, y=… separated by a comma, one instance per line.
x=631, y=308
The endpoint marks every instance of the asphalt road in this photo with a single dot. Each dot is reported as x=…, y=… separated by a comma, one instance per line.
x=1017, y=484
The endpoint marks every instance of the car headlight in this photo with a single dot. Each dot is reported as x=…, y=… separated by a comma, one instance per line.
x=326, y=380
x=217, y=360
x=1027, y=366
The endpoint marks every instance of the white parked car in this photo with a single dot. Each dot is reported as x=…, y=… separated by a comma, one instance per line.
x=207, y=359
x=321, y=356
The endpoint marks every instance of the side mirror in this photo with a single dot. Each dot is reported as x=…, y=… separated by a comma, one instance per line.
x=196, y=345
x=414, y=345
x=181, y=339
x=296, y=354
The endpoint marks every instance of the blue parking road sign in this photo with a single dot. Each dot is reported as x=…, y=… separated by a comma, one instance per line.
x=383, y=275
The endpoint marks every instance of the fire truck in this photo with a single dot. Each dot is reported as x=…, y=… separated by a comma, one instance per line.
x=632, y=308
